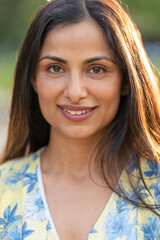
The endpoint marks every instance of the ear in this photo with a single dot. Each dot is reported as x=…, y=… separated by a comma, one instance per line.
x=125, y=89
x=34, y=85
x=125, y=85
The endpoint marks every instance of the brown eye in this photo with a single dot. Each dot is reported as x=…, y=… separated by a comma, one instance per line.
x=55, y=69
x=97, y=70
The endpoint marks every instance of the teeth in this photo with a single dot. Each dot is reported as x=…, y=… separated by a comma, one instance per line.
x=76, y=112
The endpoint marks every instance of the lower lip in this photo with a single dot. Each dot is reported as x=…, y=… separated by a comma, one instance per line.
x=77, y=117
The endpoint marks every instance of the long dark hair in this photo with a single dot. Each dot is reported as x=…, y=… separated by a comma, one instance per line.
x=135, y=131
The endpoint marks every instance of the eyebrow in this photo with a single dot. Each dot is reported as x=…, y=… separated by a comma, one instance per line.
x=89, y=60
x=99, y=58
x=57, y=59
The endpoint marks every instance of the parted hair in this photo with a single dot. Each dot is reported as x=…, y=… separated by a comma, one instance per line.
x=135, y=130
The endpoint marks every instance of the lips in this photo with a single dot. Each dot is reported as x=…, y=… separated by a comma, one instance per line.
x=76, y=113
x=75, y=108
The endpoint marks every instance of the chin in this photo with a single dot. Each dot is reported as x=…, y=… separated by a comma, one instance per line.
x=77, y=132
x=78, y=135
x=83, y=133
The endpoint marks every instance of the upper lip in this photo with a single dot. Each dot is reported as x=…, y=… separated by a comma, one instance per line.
x=74, y=107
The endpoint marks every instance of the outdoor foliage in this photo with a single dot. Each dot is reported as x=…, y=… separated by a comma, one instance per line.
x=146, y=14
x=16, y=15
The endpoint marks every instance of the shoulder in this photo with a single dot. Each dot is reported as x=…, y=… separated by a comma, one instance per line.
x=150, y=168
x=19, y=196
x=13, y=172
x=151, y=175
x=132, y=220
x=18, y=177
x=146, y=179
x=14, y=165
x=150, y=178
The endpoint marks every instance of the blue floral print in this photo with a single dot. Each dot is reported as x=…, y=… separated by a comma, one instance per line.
x=34, y=207
x=117, y=225
x=153, y=171
x=141, y=190
x=131, y=166
x=31, y=181
x=11, y=225
x=152, y=230
x=122, y=220
x=25, y=232
x=117, y=222
x=28, y=179
x=35, y=157
x=48, y=227
x=91, y=232
x=156, y=189
x=18, y=176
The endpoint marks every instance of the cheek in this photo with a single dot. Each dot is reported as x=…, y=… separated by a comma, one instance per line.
x=46, y=96
x=109, y=97
x=108, y=92
x=111, y=103
x=47, y=103
x=47, y=89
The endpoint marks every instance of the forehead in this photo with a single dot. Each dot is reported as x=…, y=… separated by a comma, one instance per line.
x=86, y=36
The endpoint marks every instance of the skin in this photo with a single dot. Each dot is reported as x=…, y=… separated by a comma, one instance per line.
x=76, y=81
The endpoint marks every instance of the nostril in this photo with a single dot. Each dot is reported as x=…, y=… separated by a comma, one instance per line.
x=75, y=91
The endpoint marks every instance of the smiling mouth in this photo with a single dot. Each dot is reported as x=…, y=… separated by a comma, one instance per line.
x=76, y=110
x=76, y=113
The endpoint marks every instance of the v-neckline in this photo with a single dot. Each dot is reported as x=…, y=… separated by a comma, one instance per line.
x=96, y=227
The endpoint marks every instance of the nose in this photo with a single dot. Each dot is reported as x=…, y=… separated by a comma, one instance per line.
x=75, y=89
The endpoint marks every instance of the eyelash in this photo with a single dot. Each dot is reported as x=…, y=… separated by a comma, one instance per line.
x=52, y=66
x=102, y=69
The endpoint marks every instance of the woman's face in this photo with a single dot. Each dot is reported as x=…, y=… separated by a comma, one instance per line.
x=77, y=81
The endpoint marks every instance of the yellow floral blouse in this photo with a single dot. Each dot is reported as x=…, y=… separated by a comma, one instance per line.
x=24, y=213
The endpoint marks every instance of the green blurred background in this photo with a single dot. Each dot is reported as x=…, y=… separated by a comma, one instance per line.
x=16, y=15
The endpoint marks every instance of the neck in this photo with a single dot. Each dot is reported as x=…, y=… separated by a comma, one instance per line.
x=68, y=154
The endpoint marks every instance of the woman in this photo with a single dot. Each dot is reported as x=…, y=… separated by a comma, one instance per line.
x=84, y=129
